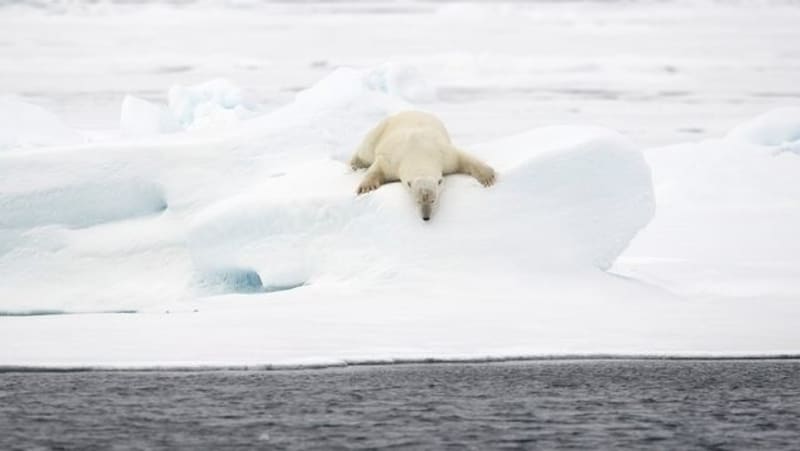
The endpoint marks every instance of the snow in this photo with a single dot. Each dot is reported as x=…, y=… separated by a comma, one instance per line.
x=214, y=222
x=728, y=214
x=26, y=125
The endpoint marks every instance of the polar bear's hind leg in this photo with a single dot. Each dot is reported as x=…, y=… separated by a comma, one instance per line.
x=357, y=163
x=364, y=155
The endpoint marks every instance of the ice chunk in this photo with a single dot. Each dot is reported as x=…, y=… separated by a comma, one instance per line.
x=780, y=127
x=142, y=118
x=401, y=80
x=225, y=280
x=214, y=103
x=27, y=125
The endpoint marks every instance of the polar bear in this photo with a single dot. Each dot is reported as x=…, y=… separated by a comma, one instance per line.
x=414, y=148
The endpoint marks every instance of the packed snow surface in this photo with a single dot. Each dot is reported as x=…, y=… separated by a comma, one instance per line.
x=215, y=222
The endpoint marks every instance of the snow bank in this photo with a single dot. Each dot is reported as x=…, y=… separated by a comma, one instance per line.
x=567, y=198
x=77, y=187
x=25, y=125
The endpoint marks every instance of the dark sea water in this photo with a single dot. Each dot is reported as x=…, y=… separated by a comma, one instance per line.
x=561, y=404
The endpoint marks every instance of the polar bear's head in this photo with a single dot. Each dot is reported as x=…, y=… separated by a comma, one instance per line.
x=426, y=193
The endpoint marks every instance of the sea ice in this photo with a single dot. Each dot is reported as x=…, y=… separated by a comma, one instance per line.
x=254, y=242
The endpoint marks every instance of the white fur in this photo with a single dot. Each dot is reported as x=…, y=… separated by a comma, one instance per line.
x=414, y=148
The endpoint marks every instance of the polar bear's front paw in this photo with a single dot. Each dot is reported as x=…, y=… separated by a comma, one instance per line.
x=367, y=187
x=485, y=175
x=369, y=184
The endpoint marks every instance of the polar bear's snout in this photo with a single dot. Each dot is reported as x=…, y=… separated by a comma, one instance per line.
x=425, y=210
x=426, y=193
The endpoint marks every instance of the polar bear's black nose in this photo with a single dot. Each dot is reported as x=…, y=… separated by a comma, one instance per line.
x=426, y=218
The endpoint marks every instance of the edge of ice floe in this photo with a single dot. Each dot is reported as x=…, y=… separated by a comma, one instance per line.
x=345, y=363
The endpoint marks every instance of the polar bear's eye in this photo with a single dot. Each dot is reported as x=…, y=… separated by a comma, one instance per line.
x=409, y=184
x=440, y=181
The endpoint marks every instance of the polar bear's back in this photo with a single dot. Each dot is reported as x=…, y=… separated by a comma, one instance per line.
x=408, y=142
x=412, y=130
x=410, y=120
